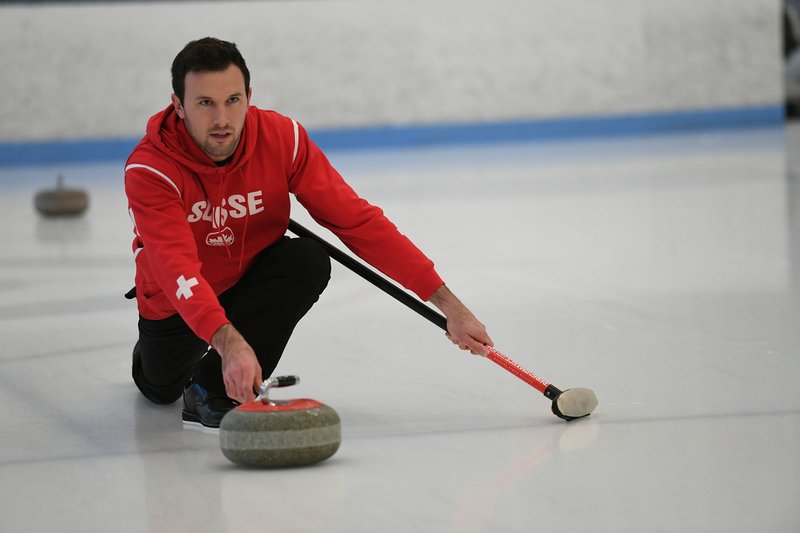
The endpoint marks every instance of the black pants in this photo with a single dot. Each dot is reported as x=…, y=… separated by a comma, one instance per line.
x=283, y=283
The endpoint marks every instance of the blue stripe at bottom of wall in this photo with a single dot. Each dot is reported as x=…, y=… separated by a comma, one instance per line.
x=417, y=136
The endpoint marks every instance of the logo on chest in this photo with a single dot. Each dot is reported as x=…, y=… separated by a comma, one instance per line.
x=234, y=206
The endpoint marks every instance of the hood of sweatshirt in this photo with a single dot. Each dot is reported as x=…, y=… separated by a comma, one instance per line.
x=168, y=133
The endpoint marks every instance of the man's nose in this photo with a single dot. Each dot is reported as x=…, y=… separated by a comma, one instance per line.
x=220, y=116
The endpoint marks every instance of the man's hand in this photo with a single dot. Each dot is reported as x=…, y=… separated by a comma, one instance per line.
x=240, y=369
x=463, y=329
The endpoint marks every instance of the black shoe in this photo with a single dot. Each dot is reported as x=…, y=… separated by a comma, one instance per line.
x=204, y=408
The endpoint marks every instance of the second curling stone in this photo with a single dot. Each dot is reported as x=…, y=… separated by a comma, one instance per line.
x=61, y=201
x=280, y=433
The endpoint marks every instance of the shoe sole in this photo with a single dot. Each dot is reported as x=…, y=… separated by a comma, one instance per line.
x=192, y=421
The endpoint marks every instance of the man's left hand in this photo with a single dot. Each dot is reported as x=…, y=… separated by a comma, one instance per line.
x=463, y=329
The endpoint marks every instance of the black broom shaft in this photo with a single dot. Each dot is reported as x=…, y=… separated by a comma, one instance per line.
x=371, y=276
x=379, y=281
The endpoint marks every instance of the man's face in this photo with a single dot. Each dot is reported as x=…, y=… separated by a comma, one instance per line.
x=214, y=107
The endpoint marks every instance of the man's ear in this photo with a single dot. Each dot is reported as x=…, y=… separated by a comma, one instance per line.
x=176, y=103
x=249, y=94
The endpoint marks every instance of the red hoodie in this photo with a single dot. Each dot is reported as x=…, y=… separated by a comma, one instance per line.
x=198, y=226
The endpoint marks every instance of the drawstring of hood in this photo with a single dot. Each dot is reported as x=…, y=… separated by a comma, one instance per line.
x=218, y=218
x=215, y=207
x=244, y=238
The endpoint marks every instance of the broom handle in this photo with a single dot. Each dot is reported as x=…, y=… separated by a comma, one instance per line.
x=416, y=305
x=371, y=276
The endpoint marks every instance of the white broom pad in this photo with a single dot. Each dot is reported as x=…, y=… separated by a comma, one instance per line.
x=577, y=402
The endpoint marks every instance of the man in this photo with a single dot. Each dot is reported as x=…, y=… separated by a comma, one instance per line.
x=219, y=286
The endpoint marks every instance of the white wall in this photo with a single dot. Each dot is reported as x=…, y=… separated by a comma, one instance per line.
x=95, y=70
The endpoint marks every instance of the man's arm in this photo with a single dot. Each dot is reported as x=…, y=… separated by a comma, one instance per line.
x=361, y=226
x=159, y=220
x=365, y=230
x=463, y=329
x=240, y=369
x=156, y=207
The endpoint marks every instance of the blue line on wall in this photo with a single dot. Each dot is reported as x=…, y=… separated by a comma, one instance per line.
x=418, y=136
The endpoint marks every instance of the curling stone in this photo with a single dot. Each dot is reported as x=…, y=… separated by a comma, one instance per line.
x=280, y=433
x=61, y=201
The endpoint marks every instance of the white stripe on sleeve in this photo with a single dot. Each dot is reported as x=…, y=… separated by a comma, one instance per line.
x=157, y=173
x=296, y=139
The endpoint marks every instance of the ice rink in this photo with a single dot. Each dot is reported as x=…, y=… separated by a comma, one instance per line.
x=663, y=272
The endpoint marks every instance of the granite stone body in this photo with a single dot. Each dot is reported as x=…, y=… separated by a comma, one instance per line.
x=292, y=433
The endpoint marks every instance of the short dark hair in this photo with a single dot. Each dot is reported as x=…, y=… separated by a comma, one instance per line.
x=206, y=55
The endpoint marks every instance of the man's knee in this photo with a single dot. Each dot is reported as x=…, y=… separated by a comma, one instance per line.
x=162, y=397
x=156, y=394
x=311, y=261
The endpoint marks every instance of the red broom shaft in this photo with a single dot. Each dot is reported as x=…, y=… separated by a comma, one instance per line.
x=528, y=377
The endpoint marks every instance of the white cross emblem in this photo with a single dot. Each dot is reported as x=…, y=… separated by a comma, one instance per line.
x=185, y=287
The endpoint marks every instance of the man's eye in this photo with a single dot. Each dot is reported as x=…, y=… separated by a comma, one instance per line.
x=205, y=103
x=233, y=99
